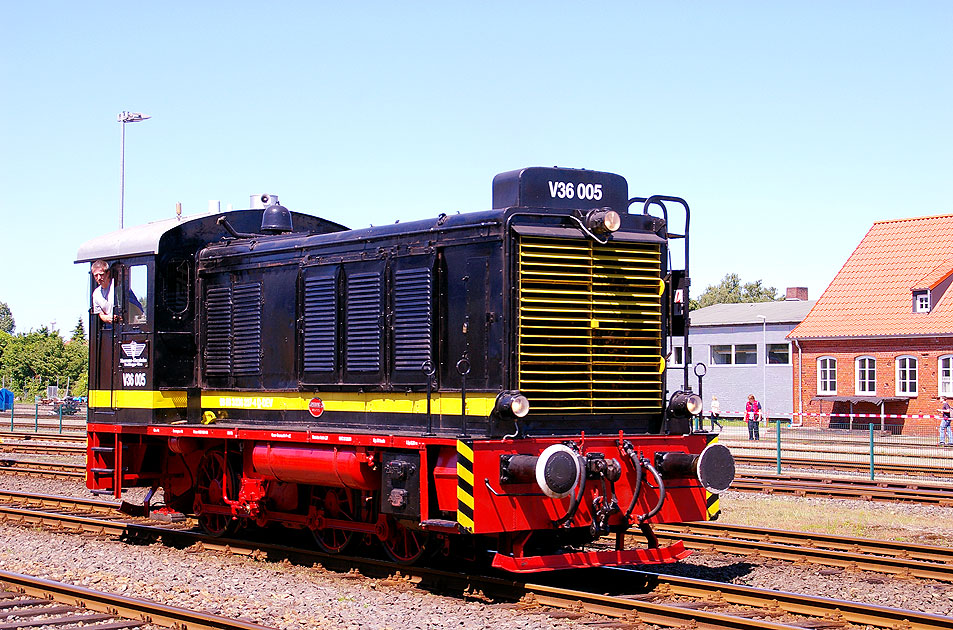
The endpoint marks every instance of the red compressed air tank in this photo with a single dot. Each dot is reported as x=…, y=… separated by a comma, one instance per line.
x=340, y=467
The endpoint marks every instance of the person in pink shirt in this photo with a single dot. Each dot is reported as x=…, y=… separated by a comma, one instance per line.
x=753, y=417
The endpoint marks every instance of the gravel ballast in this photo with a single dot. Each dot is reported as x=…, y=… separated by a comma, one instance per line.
x=283, y=595
x=277, y=594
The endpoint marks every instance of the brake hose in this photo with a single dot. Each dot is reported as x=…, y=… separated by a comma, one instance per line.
x=638, y=480
x=661, y=494
x=577, y=498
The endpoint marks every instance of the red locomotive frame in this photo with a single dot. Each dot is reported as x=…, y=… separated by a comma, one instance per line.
x=510, y=512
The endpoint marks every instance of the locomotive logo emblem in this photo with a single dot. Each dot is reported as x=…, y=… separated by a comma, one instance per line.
x=316, y=407
x=133, y=355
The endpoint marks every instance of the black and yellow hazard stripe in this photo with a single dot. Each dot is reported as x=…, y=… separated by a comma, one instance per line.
x=712, y=506
x=465, y=484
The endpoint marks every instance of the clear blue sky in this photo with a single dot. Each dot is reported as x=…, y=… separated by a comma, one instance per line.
x=790, y=127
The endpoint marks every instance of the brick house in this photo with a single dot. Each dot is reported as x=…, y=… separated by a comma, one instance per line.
x=880, y=338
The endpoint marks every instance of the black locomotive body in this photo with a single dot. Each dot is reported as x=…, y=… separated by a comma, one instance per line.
x=494, y=375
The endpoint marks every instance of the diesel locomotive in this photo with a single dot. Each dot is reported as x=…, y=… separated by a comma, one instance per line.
x=488, y=384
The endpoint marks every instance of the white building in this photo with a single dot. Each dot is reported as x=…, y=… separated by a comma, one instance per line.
x=744, y=351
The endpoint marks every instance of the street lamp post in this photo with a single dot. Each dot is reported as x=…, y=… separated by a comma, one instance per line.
x=125, y=117
x=764, y=365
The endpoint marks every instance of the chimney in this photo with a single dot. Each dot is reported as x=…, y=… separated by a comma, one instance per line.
x=796, y=293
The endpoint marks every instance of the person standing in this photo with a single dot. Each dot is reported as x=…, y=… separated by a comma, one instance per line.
x=715, y=413
x=753, y=417
x=945, y=431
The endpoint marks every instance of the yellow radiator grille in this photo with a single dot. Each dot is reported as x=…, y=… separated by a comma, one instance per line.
x=590, y=326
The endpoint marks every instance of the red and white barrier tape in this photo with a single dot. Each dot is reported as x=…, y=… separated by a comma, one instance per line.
x=840, y=415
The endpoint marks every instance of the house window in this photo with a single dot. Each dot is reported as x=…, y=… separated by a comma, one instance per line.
x=827, y=375
x=921, y=302
x=746, y=354
x=779, y=354
x=721, y=355
x=945, y=374
x=678, y=355
x=865, y=369
x=906, y=376
x=739, y=354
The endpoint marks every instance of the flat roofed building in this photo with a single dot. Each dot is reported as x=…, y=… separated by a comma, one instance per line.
x=745, y=350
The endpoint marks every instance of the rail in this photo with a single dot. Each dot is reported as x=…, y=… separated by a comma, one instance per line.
x=882, y=556
x=76, y=601
x=633, y=595
x=804, y=485
x=874, y=452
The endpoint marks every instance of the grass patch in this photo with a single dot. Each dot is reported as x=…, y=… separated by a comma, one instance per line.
x=861, y=519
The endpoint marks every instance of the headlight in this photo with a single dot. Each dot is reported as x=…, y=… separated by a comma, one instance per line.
x=603, y=220
x=512, y=404
x=684, y=404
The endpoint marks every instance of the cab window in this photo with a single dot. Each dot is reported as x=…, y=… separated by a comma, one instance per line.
x=176, y=287
x=137, y=297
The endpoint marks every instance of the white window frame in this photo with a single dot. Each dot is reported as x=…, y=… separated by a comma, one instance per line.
x=822, y=371
x=753, y=351
x=944, y=375
x=733, y=354
x=857, y=372
x=922, y=302
x=674, y=362
x=766, y=362
x=711, y=354
x=906, y=386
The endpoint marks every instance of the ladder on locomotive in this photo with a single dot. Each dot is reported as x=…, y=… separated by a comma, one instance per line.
x=108, y=469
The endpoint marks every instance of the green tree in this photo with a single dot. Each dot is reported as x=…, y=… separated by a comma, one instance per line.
x=76, y=351
x=32, y=360
x=79, y=333
x=5, y=339
x=731, y=291
x=7, y=323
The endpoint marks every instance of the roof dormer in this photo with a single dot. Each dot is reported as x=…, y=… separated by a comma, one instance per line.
x=930, y=288
x=921, y=301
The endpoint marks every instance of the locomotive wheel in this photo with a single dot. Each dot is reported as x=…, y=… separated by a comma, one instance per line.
x=215, y=481
x=336, y=503
x=403, y=545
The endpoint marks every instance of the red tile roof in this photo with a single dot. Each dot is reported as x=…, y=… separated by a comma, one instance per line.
x=871, y=295
x=940, y=273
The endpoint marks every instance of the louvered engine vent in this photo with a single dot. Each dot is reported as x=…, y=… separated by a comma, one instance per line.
x=590, y=327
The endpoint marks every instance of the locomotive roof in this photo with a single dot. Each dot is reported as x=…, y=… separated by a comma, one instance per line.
x=145, y=239
x=441, y=223
x=491, y=220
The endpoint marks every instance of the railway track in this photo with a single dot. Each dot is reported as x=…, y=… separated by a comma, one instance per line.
x=855, y=467
x=722, y=605
x=48, y=470
x=843, y=488
x=74, y=443
x=32, y=602
x=629, y=595
x=26, y=436
x=748, y=482
x=883, y=556
x=37, y=448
